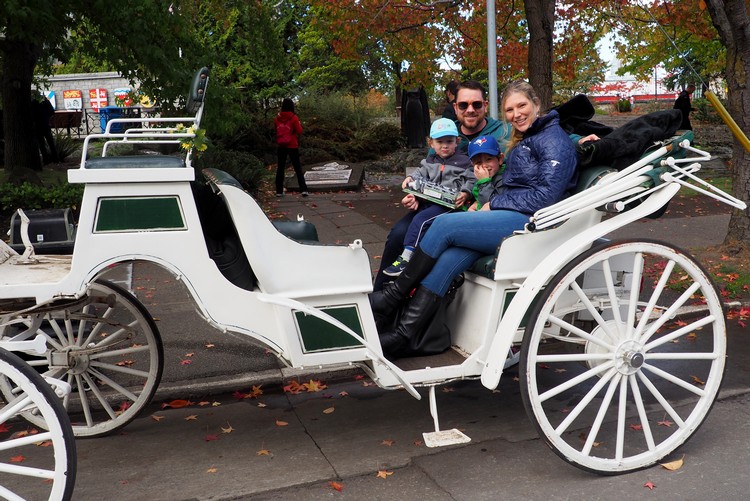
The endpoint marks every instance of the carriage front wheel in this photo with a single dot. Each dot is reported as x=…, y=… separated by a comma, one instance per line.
x=624, y=355
x=35, y=464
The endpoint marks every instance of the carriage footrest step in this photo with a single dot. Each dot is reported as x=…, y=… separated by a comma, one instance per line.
x=445, y=437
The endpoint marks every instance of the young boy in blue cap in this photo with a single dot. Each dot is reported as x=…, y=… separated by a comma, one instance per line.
x=487, y=158
x=447, y=167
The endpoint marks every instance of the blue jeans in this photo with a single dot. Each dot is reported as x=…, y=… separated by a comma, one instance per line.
x=458, y=239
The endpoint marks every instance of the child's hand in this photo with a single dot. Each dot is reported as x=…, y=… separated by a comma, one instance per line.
x=461, y=198
x=481, y=172
x=410, y=202
x=405, y=182
x=473, y=207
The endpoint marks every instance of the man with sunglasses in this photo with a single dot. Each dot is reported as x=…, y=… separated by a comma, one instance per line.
x=472, y=121
x=471, y=116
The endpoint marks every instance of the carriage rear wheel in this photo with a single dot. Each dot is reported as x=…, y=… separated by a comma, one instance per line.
x=35, y=464
x=108, y=349
x=624, y=355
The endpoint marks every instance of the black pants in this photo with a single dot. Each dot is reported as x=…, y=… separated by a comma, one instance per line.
x=394, y=244
x=293, y=153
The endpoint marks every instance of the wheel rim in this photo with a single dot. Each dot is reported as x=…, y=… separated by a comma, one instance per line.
x=34, y=464
x=617, y=388
x=108, y=350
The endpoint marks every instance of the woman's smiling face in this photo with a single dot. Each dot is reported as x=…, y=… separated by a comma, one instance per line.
x=520, y=111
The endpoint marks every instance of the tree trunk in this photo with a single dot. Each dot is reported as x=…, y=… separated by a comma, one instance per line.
x=21, y=149
x=730, y=17
x=540, y=14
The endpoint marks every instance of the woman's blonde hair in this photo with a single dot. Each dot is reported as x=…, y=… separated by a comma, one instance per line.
x=522, y=87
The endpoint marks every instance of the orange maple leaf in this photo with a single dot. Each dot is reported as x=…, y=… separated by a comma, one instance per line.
x=157, y=418
x=211, y=437
x=255, y=392
x=192, y=417
x=5, y=428
x=336, y=486
x=388, y=442
x=293, y=387
x=666, y=423
x=384, y=474
x=314, y=386
x=650, y=485
x=213, y=469
x=17, y=459
x=263, y=452
x=697, y=381
x=186, y=362
x=636, y=427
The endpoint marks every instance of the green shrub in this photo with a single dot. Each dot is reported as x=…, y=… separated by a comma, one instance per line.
x=244, y=167
x=31, y=196
x=66, y=146
x=705, y=112
x=623, y=106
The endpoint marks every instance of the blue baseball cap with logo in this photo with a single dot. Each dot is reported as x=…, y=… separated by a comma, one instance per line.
x=443, y=127
x=484, y=144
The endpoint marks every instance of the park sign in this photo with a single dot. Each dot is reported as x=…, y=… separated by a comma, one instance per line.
x=122, y=97
x=73, y=99
x=98, y=99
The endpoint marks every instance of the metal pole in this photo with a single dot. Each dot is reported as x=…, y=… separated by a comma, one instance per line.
x=492, y=57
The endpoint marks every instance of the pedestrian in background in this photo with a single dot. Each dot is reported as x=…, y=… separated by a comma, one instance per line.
x=288, y=130
x=451, y=90
x=42, y=113
x=682, y=103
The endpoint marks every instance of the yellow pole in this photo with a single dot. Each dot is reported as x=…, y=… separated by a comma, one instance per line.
x=741, y=137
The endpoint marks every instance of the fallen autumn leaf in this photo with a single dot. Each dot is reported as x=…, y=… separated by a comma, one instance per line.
x=674, y=465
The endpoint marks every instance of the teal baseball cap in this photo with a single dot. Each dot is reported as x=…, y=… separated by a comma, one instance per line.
x=443, y=127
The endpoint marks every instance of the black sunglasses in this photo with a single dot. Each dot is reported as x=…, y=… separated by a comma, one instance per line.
x=477, y=105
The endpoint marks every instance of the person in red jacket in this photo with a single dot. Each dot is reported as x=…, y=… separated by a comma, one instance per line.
x=288, y=130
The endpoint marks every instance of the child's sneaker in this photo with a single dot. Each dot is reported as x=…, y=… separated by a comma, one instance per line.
x=396, y=268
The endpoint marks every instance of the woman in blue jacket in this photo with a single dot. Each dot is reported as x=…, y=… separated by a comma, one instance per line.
x=540, y=169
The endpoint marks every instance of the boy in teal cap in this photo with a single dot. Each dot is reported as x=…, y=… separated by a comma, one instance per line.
x=447, y=167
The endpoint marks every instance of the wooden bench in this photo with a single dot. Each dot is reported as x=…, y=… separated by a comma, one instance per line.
x=67, y=120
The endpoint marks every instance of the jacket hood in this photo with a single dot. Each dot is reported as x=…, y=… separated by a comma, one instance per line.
x=285, y=116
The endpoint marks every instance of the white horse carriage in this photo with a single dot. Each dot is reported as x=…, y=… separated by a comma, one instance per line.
x=613, y=337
